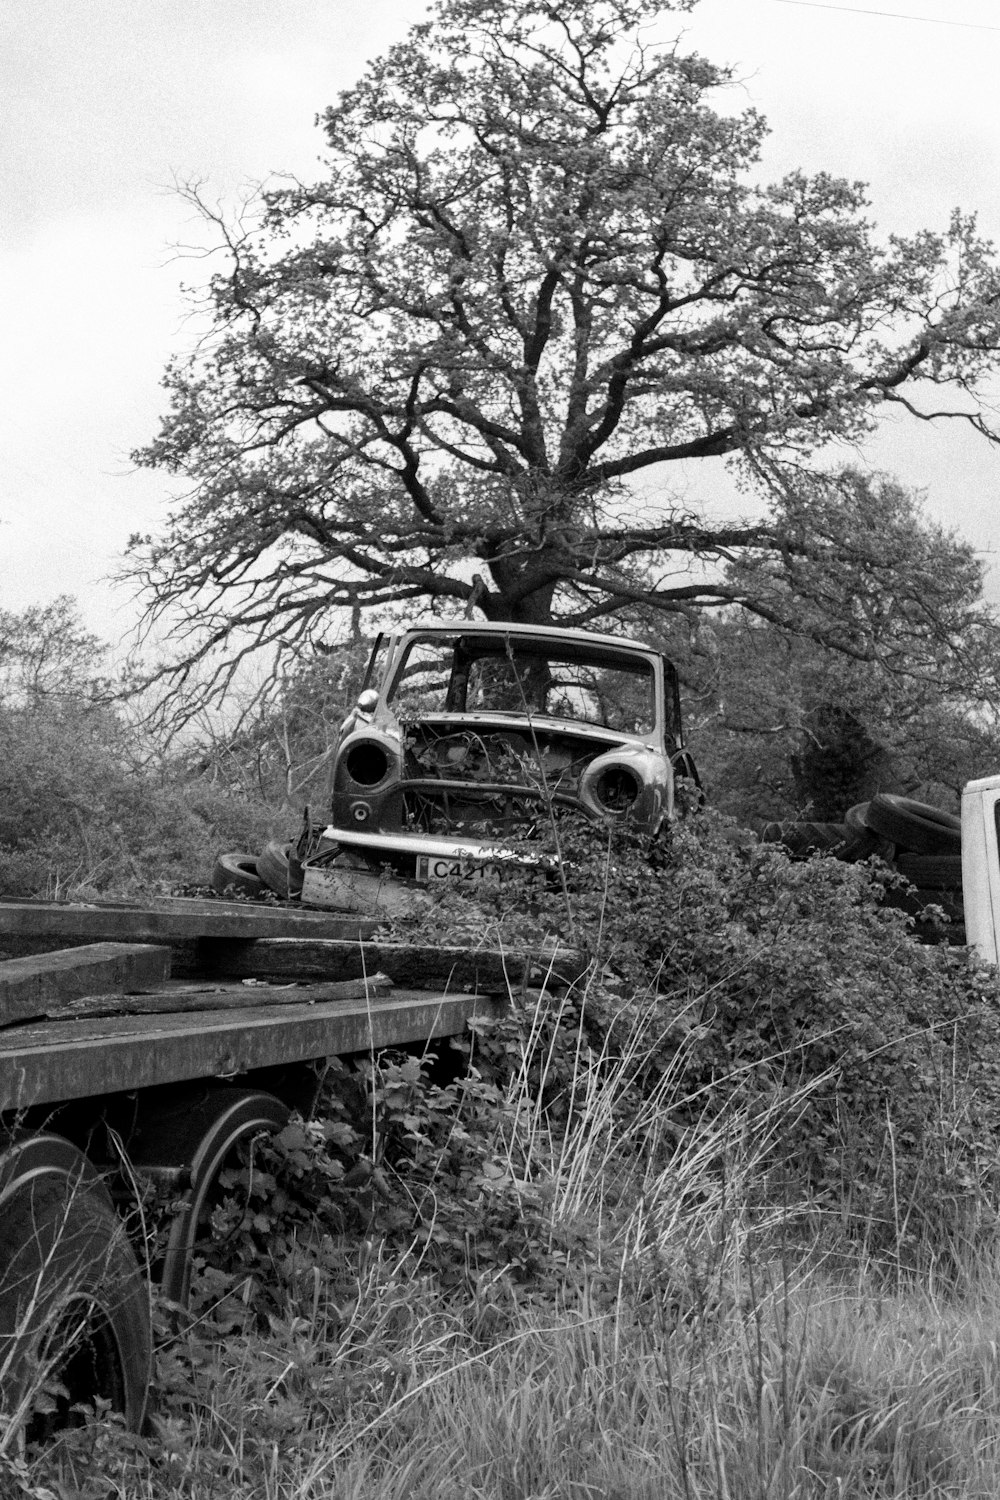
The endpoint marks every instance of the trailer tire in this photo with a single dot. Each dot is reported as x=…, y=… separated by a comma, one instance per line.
x=917, y=827
x=196, y=1137
x=74, y=1306
x=280, y=868
x=237, y=872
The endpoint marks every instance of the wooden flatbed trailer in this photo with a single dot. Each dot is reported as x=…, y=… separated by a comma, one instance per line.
x=159, y=1038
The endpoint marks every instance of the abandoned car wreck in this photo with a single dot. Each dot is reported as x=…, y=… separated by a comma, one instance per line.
x=467, y=739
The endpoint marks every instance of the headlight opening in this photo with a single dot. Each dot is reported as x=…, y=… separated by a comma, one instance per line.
x=367, y=763
x=616, y=789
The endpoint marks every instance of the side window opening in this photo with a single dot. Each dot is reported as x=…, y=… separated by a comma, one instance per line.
x=376, y=663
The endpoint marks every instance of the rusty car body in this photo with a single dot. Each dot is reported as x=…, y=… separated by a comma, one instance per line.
x=469, y=736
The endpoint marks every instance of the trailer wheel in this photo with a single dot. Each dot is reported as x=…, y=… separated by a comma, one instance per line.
x=74, y=1307
x=197, y=1138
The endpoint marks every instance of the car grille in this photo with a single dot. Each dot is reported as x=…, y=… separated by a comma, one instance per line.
x=432, y=806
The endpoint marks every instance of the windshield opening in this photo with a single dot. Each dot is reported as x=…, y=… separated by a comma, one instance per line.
x=490, y=675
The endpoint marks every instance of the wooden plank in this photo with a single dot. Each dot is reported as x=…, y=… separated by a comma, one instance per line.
x=28, y=986
x=404, y=963
x=177, y=919
x=239, y=940
x=62, y=1060
x=180, y=998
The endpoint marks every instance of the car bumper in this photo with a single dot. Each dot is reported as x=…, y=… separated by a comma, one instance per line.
x=400, y=866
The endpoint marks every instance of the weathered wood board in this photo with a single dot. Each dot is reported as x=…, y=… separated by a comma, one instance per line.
x=404, y=963
x=28, y=986
x=174, y=919
x=193, y=928
x=178, y=998
x=239, y=940
x=62, y=1060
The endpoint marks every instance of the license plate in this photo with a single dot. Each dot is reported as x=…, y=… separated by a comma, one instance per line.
x=443, y=867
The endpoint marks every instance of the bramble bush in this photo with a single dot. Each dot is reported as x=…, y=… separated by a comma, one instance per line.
x=768, y=977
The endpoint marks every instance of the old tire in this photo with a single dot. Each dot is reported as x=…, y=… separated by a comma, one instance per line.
x=856, y=818
x=804, y=838
x=862, y=841
x=938, y=872
x=914, y=826
x=74, y=1307
x=237, y=872
x=280, y=868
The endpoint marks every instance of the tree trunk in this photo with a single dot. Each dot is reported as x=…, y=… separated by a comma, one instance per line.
x=514, y=598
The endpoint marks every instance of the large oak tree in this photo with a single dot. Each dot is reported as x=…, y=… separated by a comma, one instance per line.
x=539, y=268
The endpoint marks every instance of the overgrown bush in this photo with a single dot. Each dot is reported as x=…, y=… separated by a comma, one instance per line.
x=278, y=743
x=783, y=727
x=739, y=1007
x=767, y=976
x=87, y=808
x=90, y=803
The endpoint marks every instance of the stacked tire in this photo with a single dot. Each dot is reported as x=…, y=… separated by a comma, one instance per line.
x=235, y=874
x=802, y=838
x=277, y=869
x=928, y=850
x=921, y=841
x=280, y=868
x=851, y=840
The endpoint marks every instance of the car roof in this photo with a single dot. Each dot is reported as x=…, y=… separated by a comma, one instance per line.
x=539, y=632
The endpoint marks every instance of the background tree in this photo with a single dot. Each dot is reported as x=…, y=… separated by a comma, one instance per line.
x=783, y=726
x=89, y=803
x=48, y=658
x=539, y=265
x=278, y=746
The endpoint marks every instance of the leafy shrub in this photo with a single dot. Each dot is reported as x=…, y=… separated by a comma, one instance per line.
x=784, y=984
x=89, y=803
x=86, y=808
x=740, y=1007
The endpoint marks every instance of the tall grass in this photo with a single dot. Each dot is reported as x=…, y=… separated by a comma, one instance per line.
x=801, y=1387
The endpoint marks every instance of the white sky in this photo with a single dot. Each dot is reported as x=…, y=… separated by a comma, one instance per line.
x=104, y=102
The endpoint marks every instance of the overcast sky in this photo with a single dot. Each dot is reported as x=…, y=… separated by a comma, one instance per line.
x=105, y=102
